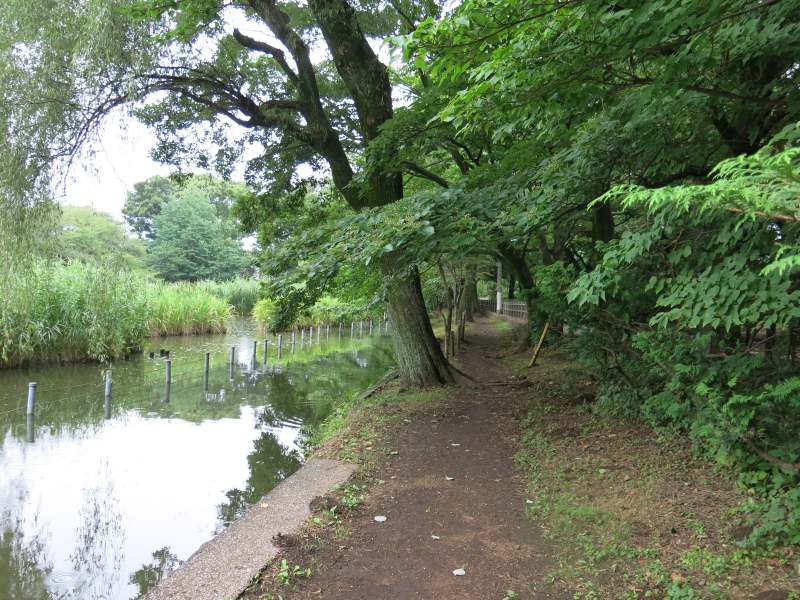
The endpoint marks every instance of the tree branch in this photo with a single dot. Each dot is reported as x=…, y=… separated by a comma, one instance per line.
x=276, y=53
x=425, y=173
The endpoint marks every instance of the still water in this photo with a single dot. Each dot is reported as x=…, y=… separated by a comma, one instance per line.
x=106, y=501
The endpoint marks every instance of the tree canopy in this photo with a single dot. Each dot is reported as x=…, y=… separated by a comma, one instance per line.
x=633, y=166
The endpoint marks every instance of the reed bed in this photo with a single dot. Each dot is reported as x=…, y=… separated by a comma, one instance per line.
x=78, y=312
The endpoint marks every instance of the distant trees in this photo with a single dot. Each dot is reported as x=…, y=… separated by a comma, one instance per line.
x=92, y=236
x=193, y=243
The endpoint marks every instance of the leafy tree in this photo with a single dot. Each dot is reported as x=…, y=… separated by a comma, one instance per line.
x=192, y=243
x=145, y=202
x=93, y=236
x=148, y=198
x=181, y=57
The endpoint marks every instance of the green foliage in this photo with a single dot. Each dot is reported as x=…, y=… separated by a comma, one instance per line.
x=240, y=293
x=90, y=236
x=71, y=312
x=694, y=317
x=185, y=309
x=192, y=243
x=75, y=311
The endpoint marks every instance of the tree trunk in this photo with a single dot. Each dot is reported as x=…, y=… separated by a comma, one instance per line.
x=420, y=359
x=517, y=262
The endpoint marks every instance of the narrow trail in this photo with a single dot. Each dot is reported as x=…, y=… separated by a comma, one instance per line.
x=454, y=477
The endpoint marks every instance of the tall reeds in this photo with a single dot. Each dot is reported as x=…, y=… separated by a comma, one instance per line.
x=56, y=312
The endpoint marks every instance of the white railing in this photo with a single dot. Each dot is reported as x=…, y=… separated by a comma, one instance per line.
x=511, y=308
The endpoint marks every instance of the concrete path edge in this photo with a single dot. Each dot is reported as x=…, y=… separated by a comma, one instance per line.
x=224, y=566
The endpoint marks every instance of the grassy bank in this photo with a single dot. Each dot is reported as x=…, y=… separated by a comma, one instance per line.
x=633, y=514
x=56, y=312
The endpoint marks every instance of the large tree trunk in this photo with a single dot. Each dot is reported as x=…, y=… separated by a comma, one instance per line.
x=419, y=357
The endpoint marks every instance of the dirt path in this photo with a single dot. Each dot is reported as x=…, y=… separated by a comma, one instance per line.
x=453, y=477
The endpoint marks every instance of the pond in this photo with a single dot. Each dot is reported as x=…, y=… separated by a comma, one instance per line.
x=101, y=500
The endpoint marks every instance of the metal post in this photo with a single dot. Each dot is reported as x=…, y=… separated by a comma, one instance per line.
x=232, y=356
x=206, y=363
x=266, y=347
x=327, y=332
x=361, y=328
x=352, y=327
x=302, y=338
x=340, y=330
x=107, y=395
x=319, y=332
x=294, y=333
x=310, y=335
x=379, y=326
x=31, y=398
x=499, y=303
x=168, y=365
x=280, y=346
x=255, y=352
x=370, y=326
x=29, y=433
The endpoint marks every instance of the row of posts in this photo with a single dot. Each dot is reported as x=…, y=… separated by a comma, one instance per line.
x=108, y=382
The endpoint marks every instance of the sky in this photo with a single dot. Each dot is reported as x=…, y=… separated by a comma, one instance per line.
x=121, y=159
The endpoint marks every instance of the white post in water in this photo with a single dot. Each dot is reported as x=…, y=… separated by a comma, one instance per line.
x=31, y=398
x=280, y=345
x=294, y=333
x=370, y=326
x=340, y=330
x=302, y=338
x=361, y=328
x=352, y=327
x=311, y=335
x=499, y=305
x=107, y=392
x=319, y=332
x=327, y=332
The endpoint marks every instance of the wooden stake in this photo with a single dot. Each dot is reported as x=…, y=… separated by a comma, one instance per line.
x=539, y=344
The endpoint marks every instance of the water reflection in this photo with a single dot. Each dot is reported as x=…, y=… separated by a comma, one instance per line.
x=104, y=499
x=151, y=574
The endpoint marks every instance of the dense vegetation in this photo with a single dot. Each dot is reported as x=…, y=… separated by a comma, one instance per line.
x=633, y=165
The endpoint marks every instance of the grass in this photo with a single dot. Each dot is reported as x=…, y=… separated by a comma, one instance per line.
x=632, y=515
x=185, y=309
x=72, y=312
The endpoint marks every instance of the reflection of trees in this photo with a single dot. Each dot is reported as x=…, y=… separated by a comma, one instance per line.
x=24, y=568
x=151, y=574
x=269, y=463
x=97, y=557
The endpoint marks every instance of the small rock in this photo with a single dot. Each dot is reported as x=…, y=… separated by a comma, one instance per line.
x=459, y=572
x=380, y=519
